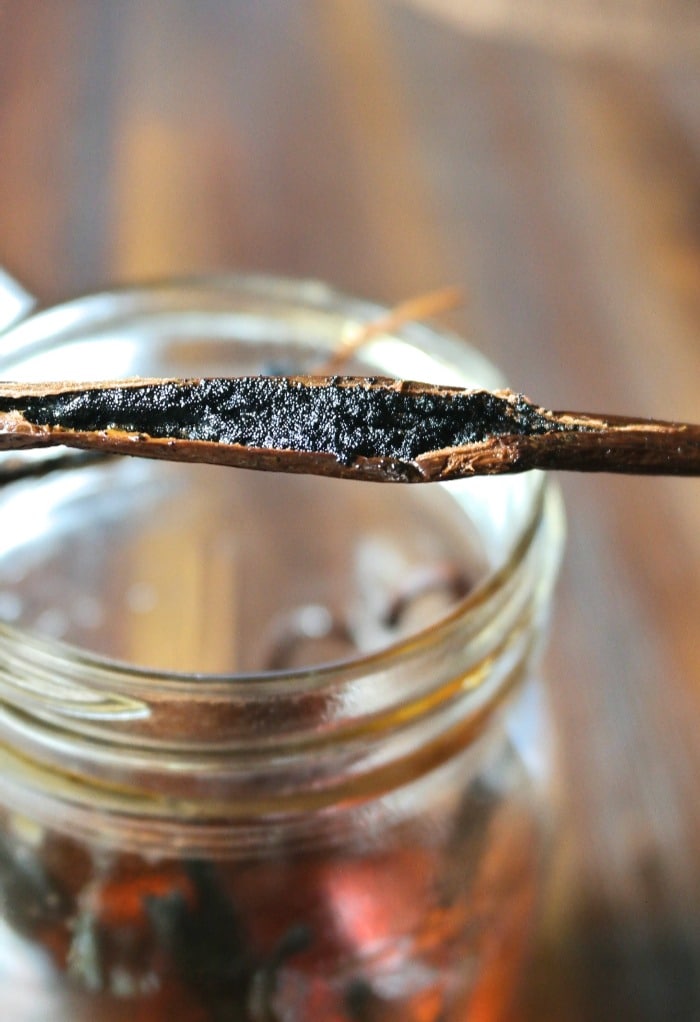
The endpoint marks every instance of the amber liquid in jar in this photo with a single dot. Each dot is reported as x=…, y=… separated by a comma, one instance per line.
x=269, y=745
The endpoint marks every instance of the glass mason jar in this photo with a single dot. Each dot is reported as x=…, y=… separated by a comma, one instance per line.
x=271, y=747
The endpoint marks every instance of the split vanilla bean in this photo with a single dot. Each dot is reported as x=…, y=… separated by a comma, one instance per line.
x=371, y=428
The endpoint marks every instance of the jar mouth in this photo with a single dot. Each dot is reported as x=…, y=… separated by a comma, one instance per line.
x=127, y=678
x=74, y=686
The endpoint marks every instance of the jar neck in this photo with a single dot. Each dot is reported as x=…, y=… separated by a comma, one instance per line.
x=79, y=731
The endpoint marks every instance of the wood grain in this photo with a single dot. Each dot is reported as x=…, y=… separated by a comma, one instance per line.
x=370, y=145
x=641, y=28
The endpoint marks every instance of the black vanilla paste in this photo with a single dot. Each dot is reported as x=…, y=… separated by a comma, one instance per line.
x=286, y=414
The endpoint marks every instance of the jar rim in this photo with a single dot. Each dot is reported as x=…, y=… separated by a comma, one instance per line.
x=20, y=338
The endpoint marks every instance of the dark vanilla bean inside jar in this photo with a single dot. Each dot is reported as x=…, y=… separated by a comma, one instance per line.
x=271, y=747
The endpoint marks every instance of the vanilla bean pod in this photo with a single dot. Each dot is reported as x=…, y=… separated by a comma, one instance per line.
x=359, y=427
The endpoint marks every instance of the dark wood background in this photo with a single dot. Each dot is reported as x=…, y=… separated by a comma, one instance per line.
x=368, y=144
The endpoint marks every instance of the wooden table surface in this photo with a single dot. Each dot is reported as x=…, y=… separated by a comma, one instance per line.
x=368, y=144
